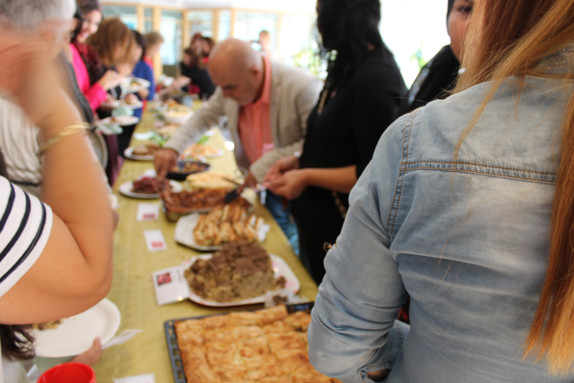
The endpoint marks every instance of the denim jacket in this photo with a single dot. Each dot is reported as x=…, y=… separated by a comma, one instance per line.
x=467, y=240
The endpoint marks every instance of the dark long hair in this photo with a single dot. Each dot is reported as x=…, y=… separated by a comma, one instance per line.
x=347, y=27
x=17, y=343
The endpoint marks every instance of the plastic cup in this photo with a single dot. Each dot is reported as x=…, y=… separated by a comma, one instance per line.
x=68, y=373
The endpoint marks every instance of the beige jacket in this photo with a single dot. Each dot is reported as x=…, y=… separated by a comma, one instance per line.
x=294, y=93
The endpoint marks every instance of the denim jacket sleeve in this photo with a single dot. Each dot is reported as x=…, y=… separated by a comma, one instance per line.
x=351, y=331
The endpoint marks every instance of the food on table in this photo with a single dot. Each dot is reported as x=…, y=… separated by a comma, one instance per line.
x=199, y=199
x=209, y=180
x=167, y=130
x=240, y=270
x=146, y=149
x=189, y=167
x=149, y=185
x=226, y=223
x=50, y=325
x=201, y=150
x=267, y=345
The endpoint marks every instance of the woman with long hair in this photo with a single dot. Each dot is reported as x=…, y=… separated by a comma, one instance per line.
x=467, y=208
x=360, y=98
x=109, y=46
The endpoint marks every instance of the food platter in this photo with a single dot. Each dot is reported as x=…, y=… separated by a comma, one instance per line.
x=280, y=269
x=129, y=153
x=76, y=333
x=173, y=348
x=120, y=120
x=186, y=168
x=136, y=104
x=134, y=84
x=127, y=190
x=184, y=233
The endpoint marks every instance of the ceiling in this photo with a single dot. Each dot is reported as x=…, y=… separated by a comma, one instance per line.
x=307, y=6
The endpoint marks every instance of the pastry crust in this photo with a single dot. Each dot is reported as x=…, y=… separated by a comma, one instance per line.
x=266, y=346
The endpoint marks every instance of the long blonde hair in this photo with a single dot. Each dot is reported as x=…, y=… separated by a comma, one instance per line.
x=511, y=39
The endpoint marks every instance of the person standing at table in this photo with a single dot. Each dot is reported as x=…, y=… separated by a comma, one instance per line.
x=360, y=98
x=267, y=105
x=89, y=14
x=467, y=208
x=153, y=43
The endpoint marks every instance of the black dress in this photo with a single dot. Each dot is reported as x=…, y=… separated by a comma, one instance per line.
x=200, y=77
x=434, y=81
x=345, y=133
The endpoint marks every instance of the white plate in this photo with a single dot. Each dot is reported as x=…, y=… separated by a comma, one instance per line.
x=184, y=233
x=134, y=84
x=280, y=268
x=76, y=334
x=122, y=104
x=129, y=153
x=120, y=120
x=126, y=189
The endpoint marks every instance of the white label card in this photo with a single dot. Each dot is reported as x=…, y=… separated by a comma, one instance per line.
x=146, y=378
x=154, y=240
x=148, y=211
x=170, y=285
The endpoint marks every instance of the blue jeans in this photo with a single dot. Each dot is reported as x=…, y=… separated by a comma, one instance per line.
x=282, y=215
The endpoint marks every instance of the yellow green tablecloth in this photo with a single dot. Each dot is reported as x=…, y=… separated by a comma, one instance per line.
x=132, y=289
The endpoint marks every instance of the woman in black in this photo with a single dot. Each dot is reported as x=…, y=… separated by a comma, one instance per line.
x=438, y=77
x=361, y=97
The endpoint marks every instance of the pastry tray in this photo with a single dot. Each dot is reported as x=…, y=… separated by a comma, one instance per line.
x=173, y=349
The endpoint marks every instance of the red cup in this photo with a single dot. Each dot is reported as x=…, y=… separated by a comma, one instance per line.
x=68, y=373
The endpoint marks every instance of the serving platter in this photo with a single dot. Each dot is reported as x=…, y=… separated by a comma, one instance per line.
x=127, y=190
x=184, y=233
x=280, y=269
x=173, y=348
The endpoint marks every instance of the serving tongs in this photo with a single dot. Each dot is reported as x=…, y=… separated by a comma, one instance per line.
x=234, y=194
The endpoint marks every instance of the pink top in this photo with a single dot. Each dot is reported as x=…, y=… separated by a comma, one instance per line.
x=255, y=121
x=94, y=94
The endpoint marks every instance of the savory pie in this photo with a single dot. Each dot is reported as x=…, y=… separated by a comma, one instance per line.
x=240, y=270
x=265, y=346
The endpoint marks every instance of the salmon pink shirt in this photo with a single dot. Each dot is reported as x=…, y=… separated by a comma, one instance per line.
x=255, y=121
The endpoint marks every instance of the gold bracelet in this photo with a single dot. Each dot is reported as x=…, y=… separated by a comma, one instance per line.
x=67, y=131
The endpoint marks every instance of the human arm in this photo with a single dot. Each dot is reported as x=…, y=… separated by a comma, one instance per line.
x=353, y=317
x=292, y=183
x=208, y=115
x=74, y=269
x=92, y=355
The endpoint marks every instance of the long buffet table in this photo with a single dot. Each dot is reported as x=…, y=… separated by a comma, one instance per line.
x=133, y=292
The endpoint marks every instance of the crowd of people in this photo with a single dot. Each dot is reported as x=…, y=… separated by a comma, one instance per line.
x=449, y=201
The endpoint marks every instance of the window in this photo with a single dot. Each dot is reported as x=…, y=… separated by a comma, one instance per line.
x=248, y=25
x=298, y=38
x=127, y=14
x=148, y=20
x=200, y=22
x=170, y=29
x=224, y=30
x=413, y=37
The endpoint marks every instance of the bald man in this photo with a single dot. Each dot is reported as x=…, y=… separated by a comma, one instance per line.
x=266, y=105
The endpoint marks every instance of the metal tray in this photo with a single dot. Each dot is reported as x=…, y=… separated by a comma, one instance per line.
x=173, y=349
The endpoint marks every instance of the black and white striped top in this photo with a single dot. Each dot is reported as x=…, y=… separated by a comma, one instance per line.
x=25, y=225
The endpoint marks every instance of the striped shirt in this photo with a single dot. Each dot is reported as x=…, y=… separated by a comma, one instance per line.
x=25, y=225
